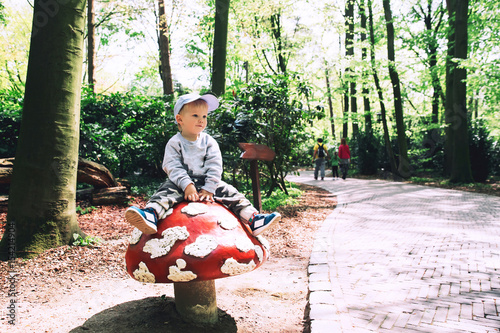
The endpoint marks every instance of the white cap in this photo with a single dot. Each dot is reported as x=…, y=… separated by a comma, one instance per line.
x=212, y=101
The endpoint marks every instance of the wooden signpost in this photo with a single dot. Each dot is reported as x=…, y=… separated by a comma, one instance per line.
x=256, y=152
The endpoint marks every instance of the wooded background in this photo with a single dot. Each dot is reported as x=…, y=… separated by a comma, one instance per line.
x=412, y=85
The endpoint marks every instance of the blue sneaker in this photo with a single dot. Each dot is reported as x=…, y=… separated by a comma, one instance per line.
x=143, y=219
x=260, y=222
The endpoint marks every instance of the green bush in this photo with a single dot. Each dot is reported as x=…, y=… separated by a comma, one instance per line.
x=11, y=105
x=495, y=158
x=126, y=132
x=263, y=112
x=279, y=198
x=366, y=150
x=480, y=150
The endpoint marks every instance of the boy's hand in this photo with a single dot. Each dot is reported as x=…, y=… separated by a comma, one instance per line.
x=205, y=195
x=191, y=194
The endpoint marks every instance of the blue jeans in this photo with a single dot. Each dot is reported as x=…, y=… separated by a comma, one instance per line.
x=344, y=167
x=320, y=165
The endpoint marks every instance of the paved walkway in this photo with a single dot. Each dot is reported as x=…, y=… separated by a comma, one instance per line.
x=396, y=257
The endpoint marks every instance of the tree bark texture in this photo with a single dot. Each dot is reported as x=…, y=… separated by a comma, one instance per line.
x=365, y=90
x=404, y=163
x=91, y=45
x=350, y=86
x=330, y=105
x=450, y=72
x=352, y=76
x=43, y=188
x=220, y=46
x=458, y=122
x=164, y=43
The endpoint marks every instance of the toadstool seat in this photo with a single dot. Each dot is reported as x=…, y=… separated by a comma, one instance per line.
x=197, y=241
x=195, y=244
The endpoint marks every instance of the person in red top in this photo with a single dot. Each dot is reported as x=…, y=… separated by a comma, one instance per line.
x=345, y=157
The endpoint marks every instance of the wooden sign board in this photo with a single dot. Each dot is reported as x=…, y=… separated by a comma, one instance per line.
x=253, y=151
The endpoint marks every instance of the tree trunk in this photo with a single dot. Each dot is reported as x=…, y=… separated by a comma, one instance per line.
x=404, y=163
x=329, y=95
x=220, y=46
x=164, y=43
x=387, y=140
x=276, y=30
x=350, y=86
x=91, y=45
x=43, y=189
x=460, y=166
x=365, y=91
x=353, y=90
x=345, y=118
x=450, y=72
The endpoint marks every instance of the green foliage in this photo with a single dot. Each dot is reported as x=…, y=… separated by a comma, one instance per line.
x=11, y=105
x=495, y=157
x=366, y=149
x=126, y=132
x=144, y=185
x=2, y=16
x=264, y=112
x=278, y=198
x=419, y=179
x=480, y=150
x=83, y=211
x=90, y=241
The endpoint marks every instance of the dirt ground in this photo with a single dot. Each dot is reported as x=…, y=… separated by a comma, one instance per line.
x=86, y=289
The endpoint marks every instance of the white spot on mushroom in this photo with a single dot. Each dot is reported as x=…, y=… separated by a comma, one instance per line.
x=202, y=246
x=176, y=275
x=263, y=241
x=195, y=208
x=232, y=267
x=161, y=246
x=259, y=252
x=143, y=274
x=135, y=236
x=228, y=222
x=243, y=244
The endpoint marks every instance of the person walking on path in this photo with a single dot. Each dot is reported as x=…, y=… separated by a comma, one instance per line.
x=319, y=157
x=345, y=157
x=335, y=165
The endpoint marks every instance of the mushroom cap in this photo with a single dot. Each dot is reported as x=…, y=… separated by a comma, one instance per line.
x=197, y=241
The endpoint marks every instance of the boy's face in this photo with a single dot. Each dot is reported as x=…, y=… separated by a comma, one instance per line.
x=193, y=120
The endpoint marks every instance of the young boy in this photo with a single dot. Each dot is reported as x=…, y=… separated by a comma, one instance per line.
x=335, y=165
x=193, y=163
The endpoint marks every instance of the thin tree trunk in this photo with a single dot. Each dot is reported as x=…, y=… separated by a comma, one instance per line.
x=460, y=167
x=330, y=106
x=43, y=190
x=276, y=30
x=387, y=140
x=220, y=46
x=350, y=86
x=432, y=46
x=404, y=163
x=345, y=118
x=91, y=45
x=164, y=43
x=365, y=91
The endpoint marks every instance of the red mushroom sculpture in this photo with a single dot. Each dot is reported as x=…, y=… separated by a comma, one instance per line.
x=196, y=243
